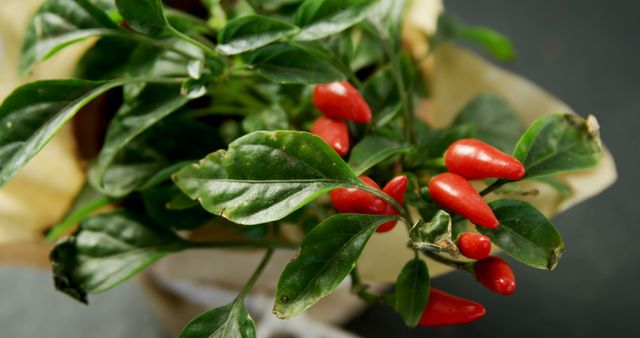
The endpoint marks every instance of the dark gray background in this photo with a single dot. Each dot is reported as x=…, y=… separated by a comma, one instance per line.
x=586, y=53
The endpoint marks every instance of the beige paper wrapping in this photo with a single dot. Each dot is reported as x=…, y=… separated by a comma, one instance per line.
x=39, y=194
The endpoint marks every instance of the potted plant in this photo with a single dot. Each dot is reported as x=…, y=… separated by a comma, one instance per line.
x=236, y=143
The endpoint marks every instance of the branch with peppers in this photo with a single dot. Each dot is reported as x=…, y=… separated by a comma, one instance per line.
x=243, y=118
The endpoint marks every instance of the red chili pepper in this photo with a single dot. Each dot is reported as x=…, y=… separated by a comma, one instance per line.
x=396, y=189
x=474, y=246
x=474, y=159
x=496, y=275
x=341, y=100
x=446, y=309
x=358, y=201
x=334, y=132
x=454, y=193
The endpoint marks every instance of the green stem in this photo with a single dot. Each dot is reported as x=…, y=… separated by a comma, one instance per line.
x=346, y=70
x=240, y=245
x=460, y=265
x=207, y=49
x=379, y=193
x=256, y=274
x=404, y=98
x=76, y=217
x=360, y=289
x=436, y=162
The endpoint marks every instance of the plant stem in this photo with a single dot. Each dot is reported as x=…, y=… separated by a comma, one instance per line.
x=360, y=289
x=460, y=265
x=436, y=162
x=379, y=193
x=240, y=245
x=76, y=217
x=256, y=274
x=407, y=105
x=495, y=185
x=207, y=49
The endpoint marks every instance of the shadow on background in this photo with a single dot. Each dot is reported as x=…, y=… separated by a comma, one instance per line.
x=586, y=53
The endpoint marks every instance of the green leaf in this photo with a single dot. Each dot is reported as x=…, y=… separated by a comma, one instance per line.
x=251, y=32
x=154, y=103
x=387, y=18
x=412, y=291
x=275, y=5
x=106, y=59
x=187, y=23
x=327, y=254
x=366, y=51
x=432, y=143
x=295, y=63
x=321, y=18
x=559, y=143
x=525, y=234
x=229, y=321
x=264, y=176
x=59, y=23
x=144, y=16
x=494, y=121
x=380, y=91
x=35, y=112
x=272, y=118
x=156, y=202
x=106, y=250
x=412, y=197
x=86, y=201
x=434, y=235
x=163, y=175
x=152, y=61
x=160, y=146
x=372, y=150
x=493, y=42
x=496, y=44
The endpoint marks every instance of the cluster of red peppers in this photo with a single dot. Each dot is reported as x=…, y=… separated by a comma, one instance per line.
x=466, y=159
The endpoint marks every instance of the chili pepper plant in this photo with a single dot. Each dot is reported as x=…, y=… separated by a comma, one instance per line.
x=259, y=113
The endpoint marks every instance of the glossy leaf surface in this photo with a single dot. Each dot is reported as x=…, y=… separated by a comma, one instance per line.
x=327, y=254
x=35, y=112
x=106, y=250
x=144, y=16
x=372, y=150
x=229, y=321
x=141, y=158
x=559, y=143
x=153, y=104
x=272, y=118
x=251, y=32
x=525, y=234
x=321, y=18
x=264, y=176
x=294, y=63
x=59, y=23
x=412, y=291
